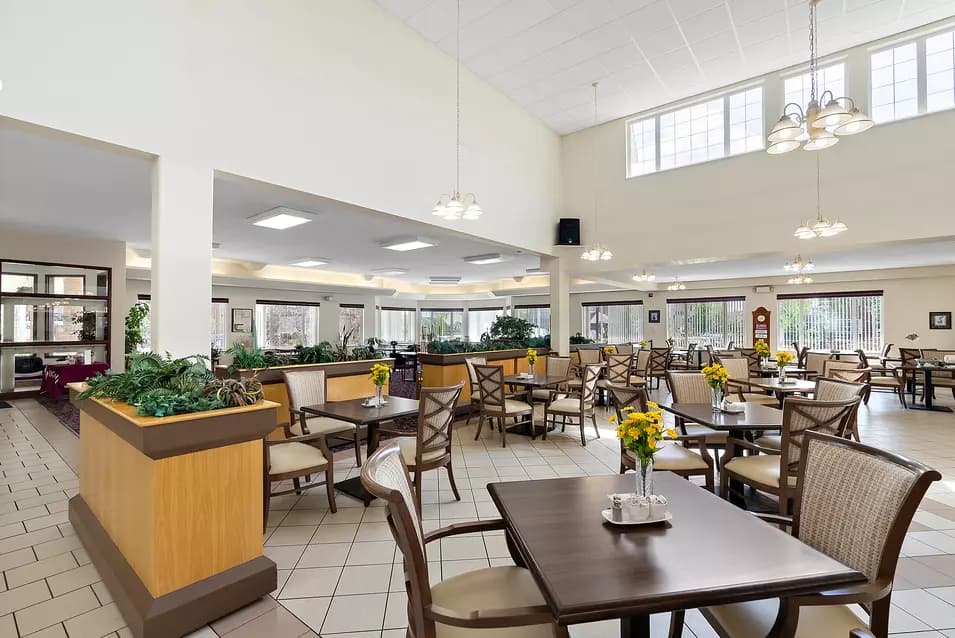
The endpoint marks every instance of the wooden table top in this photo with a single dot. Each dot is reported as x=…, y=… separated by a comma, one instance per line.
x=791, y=385
x=537, y=381
x=789, y=370
x=755, y=416
x=711, y=553
x=353, y=411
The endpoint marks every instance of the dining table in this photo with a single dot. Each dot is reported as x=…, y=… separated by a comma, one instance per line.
x=530, y=383
x=56, y=376
x=928, y=386
x=709, y=553
x=355, y=411
x=772, y=371
x=783, y=388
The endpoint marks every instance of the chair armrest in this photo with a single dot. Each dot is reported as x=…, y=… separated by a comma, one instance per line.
x=864, y=593
x=490, y=618
x=302, y=438
x=778, y=519
x=465, y=528
x=731, y=444
x=861, y=633
x=700, y=441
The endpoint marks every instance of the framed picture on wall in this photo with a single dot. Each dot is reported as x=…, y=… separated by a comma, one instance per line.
x=653, y=316
x=242, y=320
x=940, y=320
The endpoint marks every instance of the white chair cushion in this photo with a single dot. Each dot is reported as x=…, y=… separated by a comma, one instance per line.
x=885, y=382
x=510, y=407
x=637, y=380
x=771, y=441
x=712, y=436
x=294, y=457
x=409, y=447
x=493, y=588
x=763, y=469
x=758, y=397
x=323, y=425
x=671, y=456
x=752, y=619
x=569, y=405
x=574, y=383
x=541, y=394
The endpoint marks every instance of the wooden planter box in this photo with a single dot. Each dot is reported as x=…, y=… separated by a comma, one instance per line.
x=343, y=380
x=442, y=370
x=170, y=510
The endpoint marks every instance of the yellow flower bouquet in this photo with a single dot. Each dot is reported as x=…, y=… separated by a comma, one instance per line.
x=644, y=343
x=784, y=358
x=715, y=375
x=380, y=373
x=531, y=356
x=641, y=433
x=610, y=349
x=762, y=349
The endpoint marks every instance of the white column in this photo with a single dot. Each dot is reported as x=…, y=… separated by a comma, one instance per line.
x=559, y=304
x=181, y=286
x=6, y=355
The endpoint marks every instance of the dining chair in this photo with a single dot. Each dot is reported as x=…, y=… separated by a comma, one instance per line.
x=912, y=378
x=659, y=362
x=617, y=371
x=625, y=348
x=674, y=455
x=690, y=387
x=854, y=375
x=854, y=503
x=774, y=473
x=738, y=370
x=295, y=458
x=815, y=364
x=828, y=365
x=556, y=367
x=430, y=448
x=475, y=390
x=307, y=387
x=884, y=355
x=640, y=375
x=498, y=405
x=825, y=390
x=577, y=406
x=684, y=361
x=490, y=601
x=752, y=360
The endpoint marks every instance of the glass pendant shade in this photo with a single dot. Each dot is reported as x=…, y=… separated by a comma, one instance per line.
x=783, y=146
x=820, y=138
x=804, y=232
x=858, y=122
x=833, y=114
x=785, y=129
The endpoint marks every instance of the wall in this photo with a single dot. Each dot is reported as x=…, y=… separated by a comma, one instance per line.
x=328, y=97
x=79, y=251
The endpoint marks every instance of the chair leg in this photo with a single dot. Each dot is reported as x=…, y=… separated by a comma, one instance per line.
x=454, y=487
x=416, y=483
x=546, y=424
x=357, y=448
x=583, y=439
x=593, y=417
x=480, y=427
x=266, y=497
x=298, y=486
x=709, y=480
x=500, y=425
x=724, y=484
x=330, y=489
x=676, y=624
x=879, y=618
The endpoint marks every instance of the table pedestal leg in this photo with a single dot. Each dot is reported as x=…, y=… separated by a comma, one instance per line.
x=736, y=487
x=353, y=486
x=635, y=627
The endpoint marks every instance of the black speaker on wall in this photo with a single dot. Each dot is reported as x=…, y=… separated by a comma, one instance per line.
x=568, y=232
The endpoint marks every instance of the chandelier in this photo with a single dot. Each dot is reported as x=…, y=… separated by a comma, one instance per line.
x=677, y=285
x=644, y=276
x=800, y=270
x=826, y=118
x=454, y=206
x=821, y=226
x=597, y=251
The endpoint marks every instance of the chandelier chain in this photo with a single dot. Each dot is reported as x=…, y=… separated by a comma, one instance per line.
x=457, y=99
x=593, y=168
x=812, y=51
x=818, y=189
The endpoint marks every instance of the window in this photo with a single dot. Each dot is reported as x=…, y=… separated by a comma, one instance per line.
x=397, y=324
x=281, y=324
x=706, y=322
x=895, y=83
x=539, y=315
x=692, y=134
x=480, y=319
x=843, y=321
x=442, y=324
x=696, y=133
x=218, y=326
x=350, y=320
x=831, y=78
x=940, y=71
x=66, y=284
x=14, y=282
x=614, y=321
x=746, y=121
x=643, y=147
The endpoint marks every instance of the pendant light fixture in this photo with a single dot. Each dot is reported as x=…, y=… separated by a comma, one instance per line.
x=596, y=251
x=644, y=276
x=821, y=226
x=826, y=118
x=454, y=206
x=677, y=285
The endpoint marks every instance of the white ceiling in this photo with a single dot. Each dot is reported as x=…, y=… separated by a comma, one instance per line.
x=545, y=54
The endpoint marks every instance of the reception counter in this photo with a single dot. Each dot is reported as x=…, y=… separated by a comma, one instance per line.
x=443, y=370
x=170, y=510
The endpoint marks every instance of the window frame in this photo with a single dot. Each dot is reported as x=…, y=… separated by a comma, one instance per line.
x=259, y=333
x=728, y=332
x=412, y=336
x=786, y=339
x=919, y=45
x=451, y=337
x=539, y=331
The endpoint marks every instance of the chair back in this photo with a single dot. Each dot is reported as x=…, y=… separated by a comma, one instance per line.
x=628, y=397
x=886, y=349
x=909, y=355
x=832, y=389
x=435, y=416
x=659, y=358
x=558, y=366
x=855, y=502
x=625, y=348
x=831, y=364
x=816, y=363
x=863, y=358
x=688, y=387
x=855, y=375
x=305, y=387
x=618, y=368
x=801, y=415
x=752, y=360
x=588, y=387
x=730, y=344
x=575, y=359
x=641, y=366
x=385, y=475
x=737, y=368
x=491, y=387
x=802, y=356
x=589, y=355
x=470, y=362
x=931, y=353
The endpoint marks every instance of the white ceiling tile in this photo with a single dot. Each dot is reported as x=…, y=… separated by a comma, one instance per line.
x=610, y=36
x=771, y=27
x=639, y=79
x=650, y=18
x=660, y=42
x=746, y=10
x=767, y=54
x=404, y=9
x=666, y=64
x=566, y=55
x=507, y=20
x=590, y=14
x=706, y=24
x=683, y=9
x=717, y=46
x=435, y=21
x=560, y=5
x=624, y=57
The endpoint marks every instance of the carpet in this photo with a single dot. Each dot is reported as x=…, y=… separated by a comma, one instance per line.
x=64, y=411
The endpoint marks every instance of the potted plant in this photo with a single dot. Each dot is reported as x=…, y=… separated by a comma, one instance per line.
x=716, y=377
x=641, y=433
x=135, y=336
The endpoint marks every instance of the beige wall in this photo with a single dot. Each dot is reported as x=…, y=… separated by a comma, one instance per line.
x=30, y=246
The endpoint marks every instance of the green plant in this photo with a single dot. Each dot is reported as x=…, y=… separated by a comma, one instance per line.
x=135, y=337
x=579, y=339
x=510, y=329
x=321, y=353
x=368, y=351
x=233, y=392
x=86, y=326
x=341, y=348
x=251, y=358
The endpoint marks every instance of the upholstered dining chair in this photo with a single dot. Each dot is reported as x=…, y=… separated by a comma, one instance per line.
x=738, y=370
x=577, y=406
x=690, y=387
x=640, y=375
x=498, y=406
x=684, y=361
x=776, y=473
x=490, y=601
x=826, y=390
x=854, y=503
x=556, y=367
x=430, y=448
x=829, y=365
x=475, y=391
x=659, y=362
x=625, y=348
x=305, y=388
x=815, y=364
x=617, y=371
x=854, y=375
x=674, y=455
x=295, y=458
x=752, y=360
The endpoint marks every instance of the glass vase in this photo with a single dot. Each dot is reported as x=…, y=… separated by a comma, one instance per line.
x=782, y=373
x=379, y=401
x=530, y=367
x=717, y=398
x=644, y=477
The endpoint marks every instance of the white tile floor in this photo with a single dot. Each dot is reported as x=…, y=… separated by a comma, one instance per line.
x=339, y=574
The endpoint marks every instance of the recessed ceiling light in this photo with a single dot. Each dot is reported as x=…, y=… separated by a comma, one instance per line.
x=490, y=258
x=281, y=218
x=445, y=281
x=310, y=262
x=390, y=272
x=402, y=244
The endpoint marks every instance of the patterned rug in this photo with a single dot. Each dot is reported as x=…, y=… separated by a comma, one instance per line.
x=65, y=412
